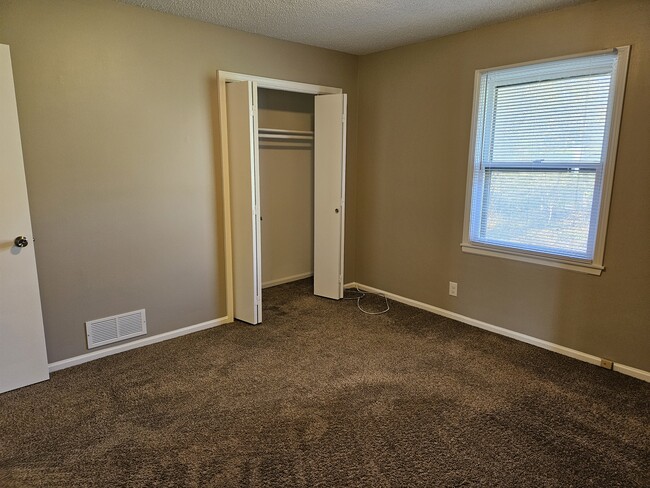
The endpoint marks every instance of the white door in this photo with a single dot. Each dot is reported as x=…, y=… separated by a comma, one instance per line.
x=23, y=359
x=330, y=114
x=243, y=155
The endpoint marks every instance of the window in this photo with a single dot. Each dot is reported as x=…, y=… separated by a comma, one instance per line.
x=542, y=158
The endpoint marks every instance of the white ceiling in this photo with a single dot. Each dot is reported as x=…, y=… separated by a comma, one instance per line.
x=353, y=26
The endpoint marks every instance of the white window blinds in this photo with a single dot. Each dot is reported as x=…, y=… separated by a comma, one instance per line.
x=539, y=156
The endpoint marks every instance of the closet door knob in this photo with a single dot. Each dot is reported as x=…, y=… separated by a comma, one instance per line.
x=336, y=210
x=21, y=241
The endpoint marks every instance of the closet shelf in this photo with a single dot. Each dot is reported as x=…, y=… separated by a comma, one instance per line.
x=285, y=134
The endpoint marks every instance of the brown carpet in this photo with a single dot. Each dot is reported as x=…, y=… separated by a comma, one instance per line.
x=322, y=395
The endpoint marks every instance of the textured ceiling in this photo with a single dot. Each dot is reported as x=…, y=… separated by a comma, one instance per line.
x=352, y=26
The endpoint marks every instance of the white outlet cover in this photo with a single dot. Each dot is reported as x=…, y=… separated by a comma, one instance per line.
x=453, y=288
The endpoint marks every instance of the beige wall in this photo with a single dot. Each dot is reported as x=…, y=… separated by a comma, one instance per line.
x=414, y=127
x=118, y=116
x=119, y=126
x=286, y=186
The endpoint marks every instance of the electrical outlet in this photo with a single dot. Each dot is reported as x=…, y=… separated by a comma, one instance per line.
x=606, y=363
x=453, y=289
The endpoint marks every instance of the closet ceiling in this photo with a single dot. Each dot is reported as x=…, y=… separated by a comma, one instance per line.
x=353, y=26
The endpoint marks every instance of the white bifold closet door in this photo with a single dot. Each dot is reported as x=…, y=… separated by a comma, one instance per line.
x=329, y=205
x=243, y=154
x=330, y=114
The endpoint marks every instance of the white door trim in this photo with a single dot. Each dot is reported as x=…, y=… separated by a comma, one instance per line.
x=224, y=77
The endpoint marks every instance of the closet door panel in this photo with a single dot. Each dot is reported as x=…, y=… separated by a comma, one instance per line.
x=329, y=190
x=243, y=157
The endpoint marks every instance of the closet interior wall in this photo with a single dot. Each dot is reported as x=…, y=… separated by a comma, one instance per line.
x=286, y=187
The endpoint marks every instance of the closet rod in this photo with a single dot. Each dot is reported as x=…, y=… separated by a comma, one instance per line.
x=286, y=136
x=287, y=131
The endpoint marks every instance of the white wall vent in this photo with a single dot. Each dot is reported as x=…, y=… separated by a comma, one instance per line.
x=116, y=328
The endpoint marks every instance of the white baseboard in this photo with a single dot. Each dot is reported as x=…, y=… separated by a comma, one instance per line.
x=582, y=356
x=109, y=351
x=634, y=372
x=288, y=279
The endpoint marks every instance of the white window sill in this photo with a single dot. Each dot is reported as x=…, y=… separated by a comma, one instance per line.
x=589, y=268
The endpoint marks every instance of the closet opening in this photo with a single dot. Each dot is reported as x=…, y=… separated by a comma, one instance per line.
x=286, y=160
x=283, y=148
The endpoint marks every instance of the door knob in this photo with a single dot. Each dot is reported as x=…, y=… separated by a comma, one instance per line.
x=21, y=241
x=336, y=210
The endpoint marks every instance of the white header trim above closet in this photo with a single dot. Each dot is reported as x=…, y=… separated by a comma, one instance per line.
x=274, y=84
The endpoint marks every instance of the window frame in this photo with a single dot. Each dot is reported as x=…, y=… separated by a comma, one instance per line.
x=593, y=266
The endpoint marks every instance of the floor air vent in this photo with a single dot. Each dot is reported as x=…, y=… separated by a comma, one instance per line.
x=116, y=328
